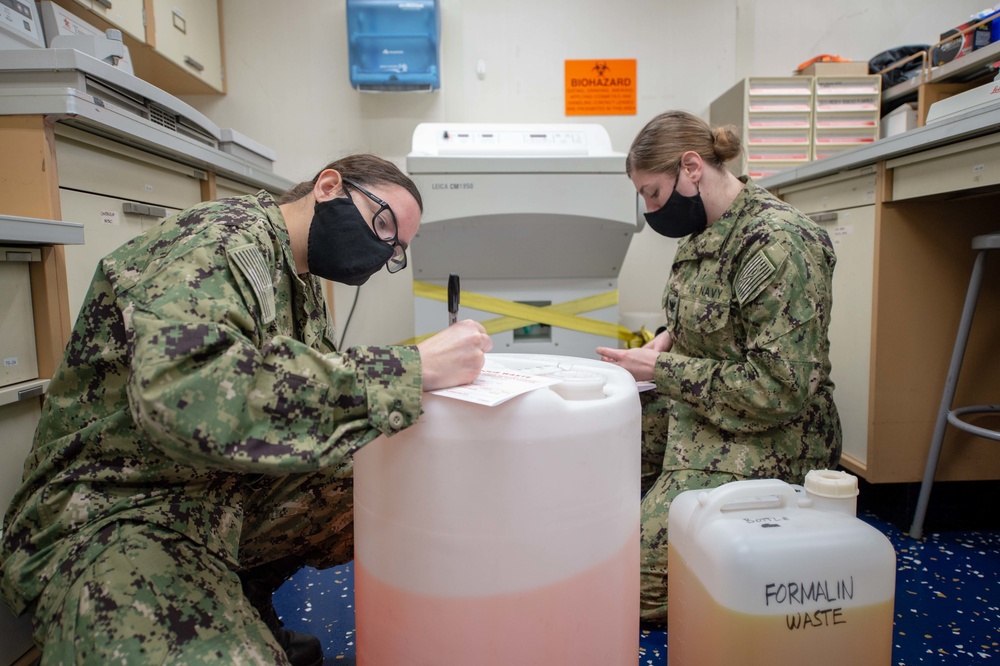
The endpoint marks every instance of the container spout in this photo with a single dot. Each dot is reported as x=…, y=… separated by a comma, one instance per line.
x=833, y=490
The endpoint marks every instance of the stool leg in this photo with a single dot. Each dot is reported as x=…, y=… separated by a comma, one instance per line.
x=957, y=354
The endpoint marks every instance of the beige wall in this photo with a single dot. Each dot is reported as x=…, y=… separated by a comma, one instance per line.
x=289, y=88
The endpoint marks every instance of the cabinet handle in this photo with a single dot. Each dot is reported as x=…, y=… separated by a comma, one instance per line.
x=104, y=3
x=823, y=217
x=193, y=64
x=32, y=392
x=142, y=209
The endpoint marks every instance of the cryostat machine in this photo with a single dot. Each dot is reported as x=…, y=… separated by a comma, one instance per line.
x=535, y=220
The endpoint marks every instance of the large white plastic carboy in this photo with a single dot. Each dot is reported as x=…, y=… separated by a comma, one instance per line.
x=763, y=573
x=505, y=535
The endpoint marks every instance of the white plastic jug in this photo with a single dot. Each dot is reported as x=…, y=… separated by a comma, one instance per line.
x=762, y=573
x=505, y=535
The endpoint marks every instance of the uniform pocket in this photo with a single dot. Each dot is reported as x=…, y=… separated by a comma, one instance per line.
x=704, y=317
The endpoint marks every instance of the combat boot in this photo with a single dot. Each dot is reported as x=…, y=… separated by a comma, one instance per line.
x=259, y=585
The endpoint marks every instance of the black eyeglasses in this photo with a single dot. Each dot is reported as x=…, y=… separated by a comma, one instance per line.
x=384, y=224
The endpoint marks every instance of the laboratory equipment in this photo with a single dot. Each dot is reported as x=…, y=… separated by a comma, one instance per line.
x=65, y=30
x=979, y=98
x=508, y=534
x=537, y=216
x=20, y=25
x=763, y=572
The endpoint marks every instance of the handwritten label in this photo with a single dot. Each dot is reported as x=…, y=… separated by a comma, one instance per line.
x=110, y=217
x=10, y=362
x=824, y=593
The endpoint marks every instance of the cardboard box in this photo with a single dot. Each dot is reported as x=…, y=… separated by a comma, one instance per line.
x=968, y=42
x=853, y=68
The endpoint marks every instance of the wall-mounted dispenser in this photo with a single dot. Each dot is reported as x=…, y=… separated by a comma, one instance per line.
x=393, y=45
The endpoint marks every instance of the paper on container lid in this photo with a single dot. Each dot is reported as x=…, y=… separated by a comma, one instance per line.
x=831, y=483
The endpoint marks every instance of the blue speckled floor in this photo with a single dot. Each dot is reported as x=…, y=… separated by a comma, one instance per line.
x=947, y=602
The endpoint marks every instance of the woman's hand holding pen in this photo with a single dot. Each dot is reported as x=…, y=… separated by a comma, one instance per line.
x=455, y=356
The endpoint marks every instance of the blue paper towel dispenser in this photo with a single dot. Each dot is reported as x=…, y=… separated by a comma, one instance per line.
x=393, y=45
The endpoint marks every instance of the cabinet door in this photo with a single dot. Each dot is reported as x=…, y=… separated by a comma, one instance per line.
x=107, y=225
x=187, y=33
x=126, y=15
x=17, y=426
x=17, y=342
x=230, y=188
x=92, y=164
x=852, y=231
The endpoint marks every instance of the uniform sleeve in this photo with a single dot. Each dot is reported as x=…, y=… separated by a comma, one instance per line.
x=784, y=303
x=206, y=393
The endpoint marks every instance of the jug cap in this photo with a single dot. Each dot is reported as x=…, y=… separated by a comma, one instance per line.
x=579, y=385
x=831, y=483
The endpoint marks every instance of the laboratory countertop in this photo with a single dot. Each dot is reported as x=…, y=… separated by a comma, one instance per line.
x=973, y=123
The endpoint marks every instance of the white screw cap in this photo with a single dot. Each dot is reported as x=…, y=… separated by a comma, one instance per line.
x=831, y=483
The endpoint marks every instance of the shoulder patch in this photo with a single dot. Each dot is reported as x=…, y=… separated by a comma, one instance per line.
x=755, y=273
x=251, y=264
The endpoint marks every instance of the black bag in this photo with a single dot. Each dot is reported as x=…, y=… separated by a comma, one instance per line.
x=892, y=56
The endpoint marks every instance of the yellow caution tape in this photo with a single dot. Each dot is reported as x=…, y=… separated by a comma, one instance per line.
x=640, y=337
x=517, y=315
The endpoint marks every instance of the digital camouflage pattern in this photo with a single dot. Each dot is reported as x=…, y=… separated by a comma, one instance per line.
x=199, y=398
x=745, y=391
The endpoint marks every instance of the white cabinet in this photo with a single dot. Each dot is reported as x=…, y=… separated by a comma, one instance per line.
x=774, y=116
x=789, y=120
x=846, y=113
x=186, y=32
x=844, y=205
x=117, y=193
x=126, y=15
x=109, y=223
x=176, y=45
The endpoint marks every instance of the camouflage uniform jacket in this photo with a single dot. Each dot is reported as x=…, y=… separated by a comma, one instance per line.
x=200, y=361
x=748, y=377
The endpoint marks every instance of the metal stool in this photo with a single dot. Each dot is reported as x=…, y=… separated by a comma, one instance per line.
x=947, y=414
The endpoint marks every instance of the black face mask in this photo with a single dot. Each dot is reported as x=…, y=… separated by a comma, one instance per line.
x=679, y=216
x=341, y=246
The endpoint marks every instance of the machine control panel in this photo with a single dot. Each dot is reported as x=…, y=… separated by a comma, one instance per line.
x=509, y=140
x=19, y=25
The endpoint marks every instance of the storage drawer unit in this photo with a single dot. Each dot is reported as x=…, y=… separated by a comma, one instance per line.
x=961, y=166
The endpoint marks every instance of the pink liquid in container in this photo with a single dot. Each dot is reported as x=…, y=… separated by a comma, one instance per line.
x=505, y=535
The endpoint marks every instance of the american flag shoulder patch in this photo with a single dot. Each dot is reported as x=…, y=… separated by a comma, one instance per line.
x=251, y=264
x=755, y=273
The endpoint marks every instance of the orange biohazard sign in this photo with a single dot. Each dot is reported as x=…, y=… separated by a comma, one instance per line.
x=600, y=87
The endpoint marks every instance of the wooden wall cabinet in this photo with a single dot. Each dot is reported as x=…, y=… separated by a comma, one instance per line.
x=176, y=45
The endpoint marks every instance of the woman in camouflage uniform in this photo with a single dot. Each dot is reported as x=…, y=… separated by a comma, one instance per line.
x=742, y=371
x=196, y=443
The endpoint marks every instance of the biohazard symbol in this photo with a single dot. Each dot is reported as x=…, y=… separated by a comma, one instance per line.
x=601, y=68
